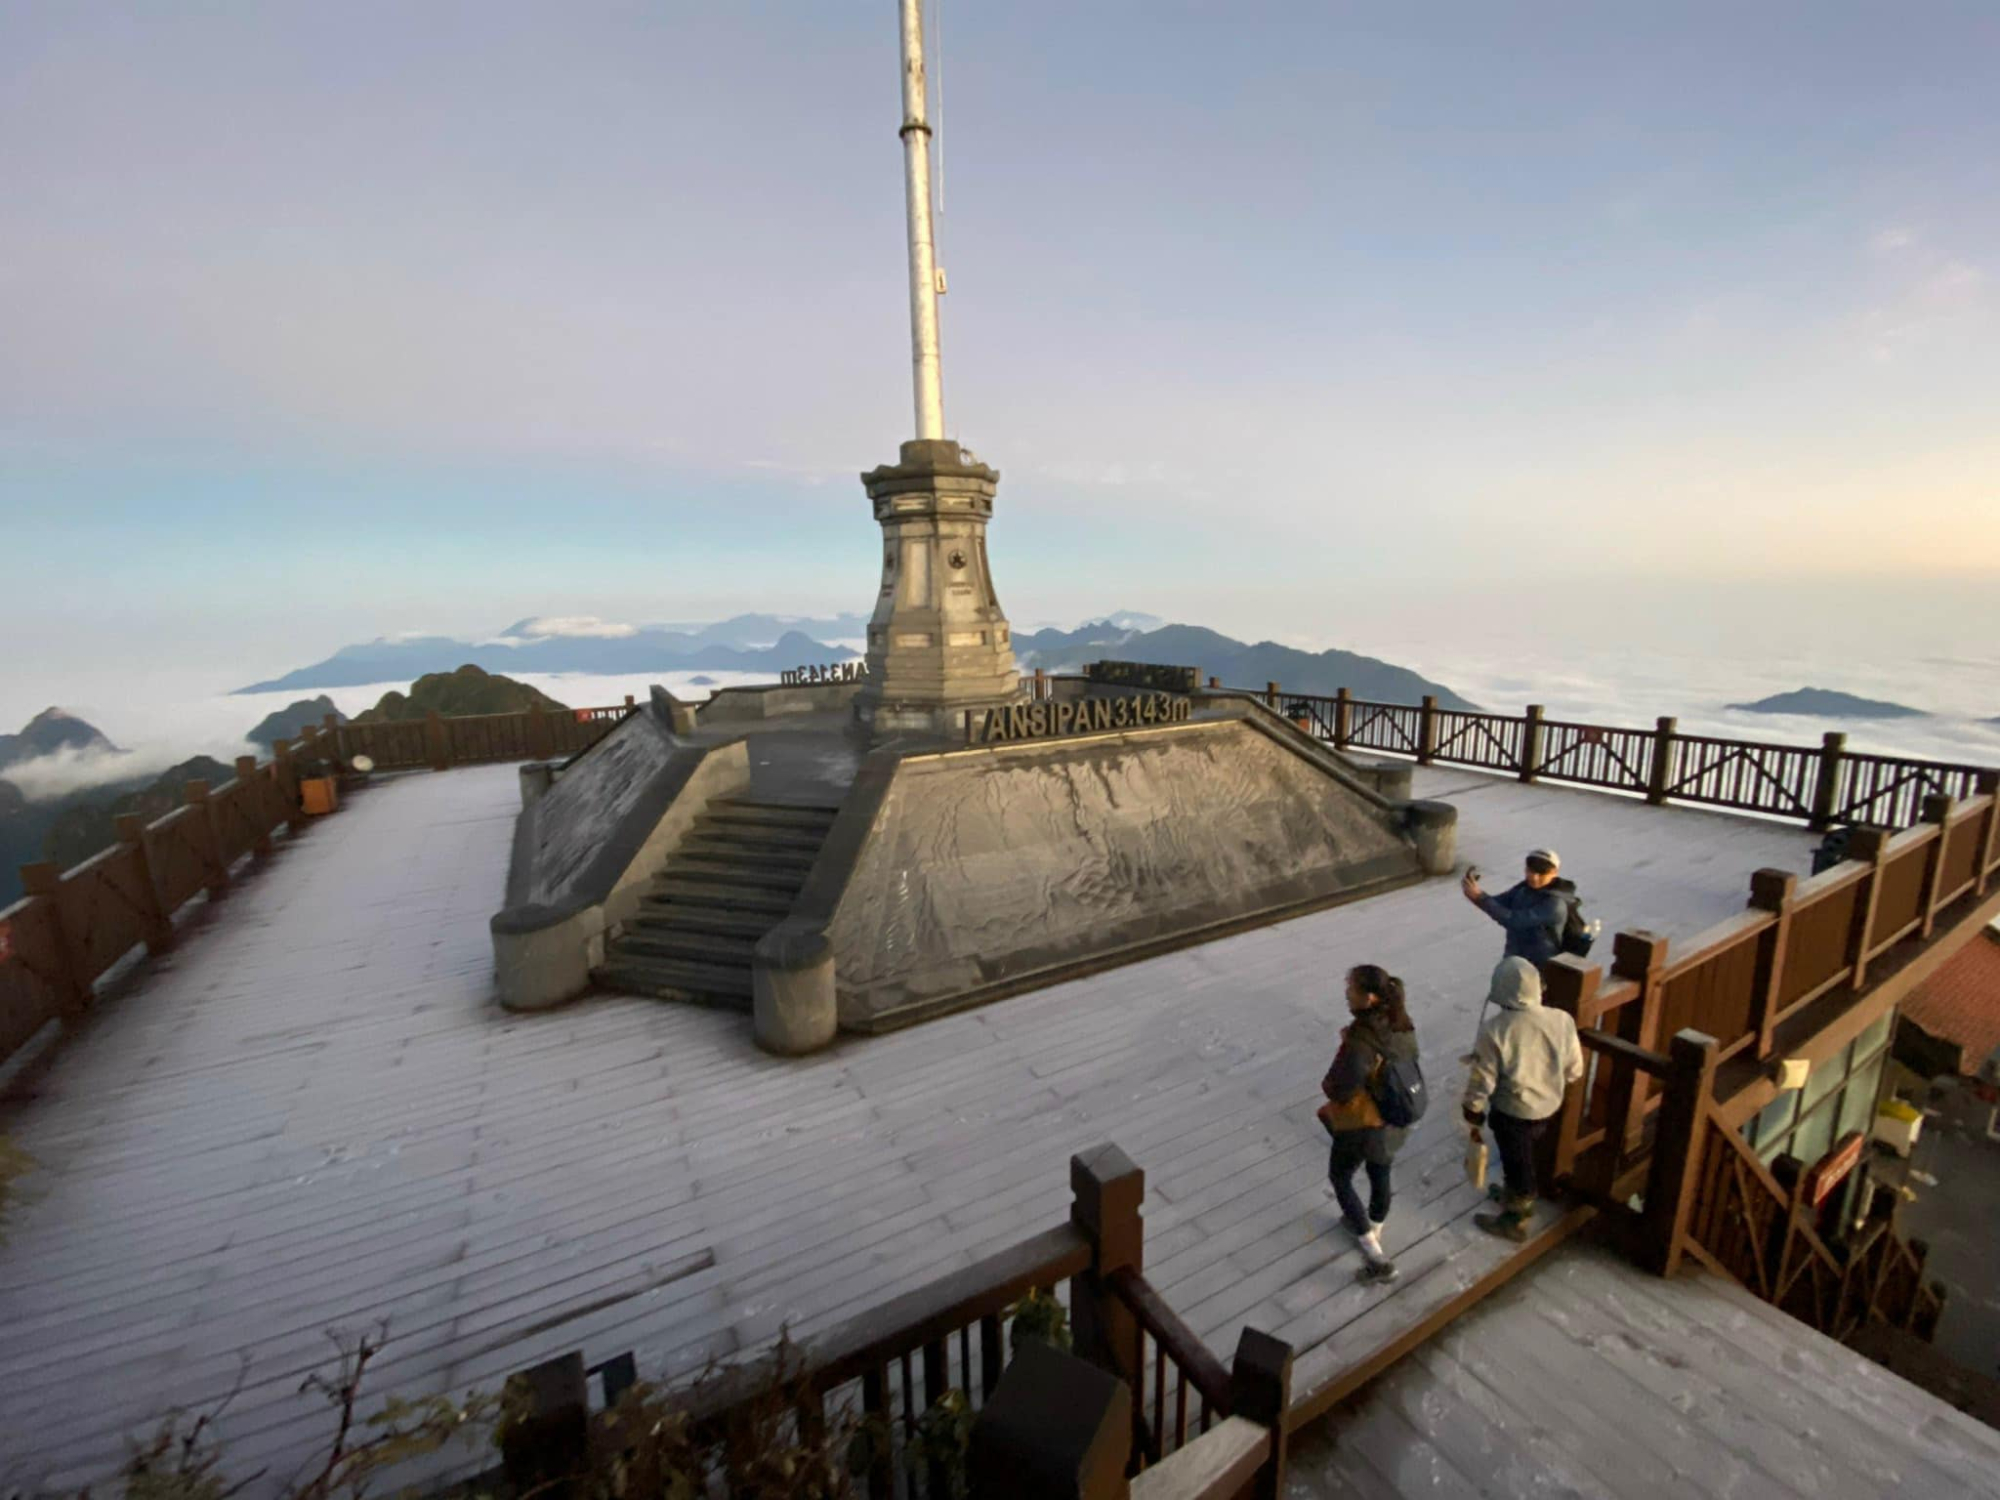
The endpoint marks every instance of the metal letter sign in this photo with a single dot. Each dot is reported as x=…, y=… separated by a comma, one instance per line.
x=1035, y=721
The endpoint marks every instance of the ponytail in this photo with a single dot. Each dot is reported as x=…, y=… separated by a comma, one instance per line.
x=1386, y=988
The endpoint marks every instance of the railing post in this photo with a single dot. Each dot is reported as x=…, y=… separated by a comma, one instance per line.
x=1041, y=684
x=1570, y=986
x=1774, y=891
x=1871, y=847
x=1271, y=694
x=1343, y=718
x=158, y=925
x=1427, y=731
x=251, y=799
x=1662, y=770
x=1827, y=788
x=1938, y=809
x=1260, y=1391
x=1989, y=843
x=42, y=883
x=336, y=747
x=538, y=733
x=1677, y=1149
x=1531, y=742
x=438, y=739
x=1640, y=957
x=209, y=838
x=286, y=776
x=1108, y=1190
x=1214, y=683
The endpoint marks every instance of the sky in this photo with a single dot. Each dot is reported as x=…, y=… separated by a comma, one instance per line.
x=1432, y=327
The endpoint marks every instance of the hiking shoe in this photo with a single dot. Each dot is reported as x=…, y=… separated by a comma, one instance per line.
x=1497, y=1191
x=1378, y=1272
x=1507, y=1226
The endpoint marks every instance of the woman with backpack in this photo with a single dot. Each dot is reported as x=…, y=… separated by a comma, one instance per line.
x=1376, y=1065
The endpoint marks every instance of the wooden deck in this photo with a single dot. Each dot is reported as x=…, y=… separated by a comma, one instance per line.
x=1588, y=1379
x=313, y=1117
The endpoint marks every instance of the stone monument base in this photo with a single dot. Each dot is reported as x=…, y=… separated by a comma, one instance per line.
x=922, y=877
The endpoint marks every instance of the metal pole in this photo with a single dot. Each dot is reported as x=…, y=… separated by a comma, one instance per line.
x=916, y=134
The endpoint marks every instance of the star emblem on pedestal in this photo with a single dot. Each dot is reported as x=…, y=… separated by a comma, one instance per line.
x=957, y=560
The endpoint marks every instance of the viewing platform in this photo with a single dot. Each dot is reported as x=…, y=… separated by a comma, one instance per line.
x=312, y=1116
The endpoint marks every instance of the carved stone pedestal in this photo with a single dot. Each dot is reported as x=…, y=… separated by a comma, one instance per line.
x=938, y=643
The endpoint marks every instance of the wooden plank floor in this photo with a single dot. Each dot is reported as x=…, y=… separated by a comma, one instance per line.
x=1588, y=1379
x=313, y=1117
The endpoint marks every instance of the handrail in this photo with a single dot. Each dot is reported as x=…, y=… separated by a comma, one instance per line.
x=905, y=1325
x=1181, y=1343
x=1651, y=1063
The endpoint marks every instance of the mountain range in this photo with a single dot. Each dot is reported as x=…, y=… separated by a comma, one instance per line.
x=1825, y=703
x=1236, y=663
x=746, y=643
x=772, y=643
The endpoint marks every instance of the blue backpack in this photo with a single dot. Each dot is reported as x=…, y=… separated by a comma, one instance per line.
x=1399, y=1092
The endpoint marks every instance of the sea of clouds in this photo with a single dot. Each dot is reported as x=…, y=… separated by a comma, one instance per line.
x=159, y=721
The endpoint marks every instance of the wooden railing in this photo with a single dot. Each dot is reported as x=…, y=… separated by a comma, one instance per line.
x=72, y=927
x=1710, y=1199
x=1799, y=941
x=1177, y=1352
x=900, y=1360
x=1821, y=786
x=472, y=739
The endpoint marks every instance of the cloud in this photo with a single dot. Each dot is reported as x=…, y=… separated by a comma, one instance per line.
x=1888, y=241
x=61, y=772
x=574, y=627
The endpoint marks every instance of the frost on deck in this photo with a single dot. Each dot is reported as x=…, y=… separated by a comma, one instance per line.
x=313, y=1116
x=1586, y=1379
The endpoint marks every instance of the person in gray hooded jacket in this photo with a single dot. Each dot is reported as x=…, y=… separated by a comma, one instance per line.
x=1526, y=1058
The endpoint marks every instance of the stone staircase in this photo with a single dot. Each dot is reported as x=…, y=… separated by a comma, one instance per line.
x=732, y=880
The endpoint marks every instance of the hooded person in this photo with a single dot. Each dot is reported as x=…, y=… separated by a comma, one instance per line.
x=1526, y=1058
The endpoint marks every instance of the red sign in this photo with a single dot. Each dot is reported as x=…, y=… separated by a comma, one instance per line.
x=1831, y=1170
x=583, y=716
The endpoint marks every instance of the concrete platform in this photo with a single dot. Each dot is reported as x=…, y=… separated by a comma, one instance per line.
x=313, y=1117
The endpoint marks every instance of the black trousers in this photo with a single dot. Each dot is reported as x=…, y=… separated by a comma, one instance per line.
x=1360, y=1148
x=1516, y=1139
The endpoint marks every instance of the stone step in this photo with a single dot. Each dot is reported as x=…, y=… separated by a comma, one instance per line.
x=698, y=872
x=667, y=979
x=748, y=856
x=756, y=835
x=667, y=891
x=771, y=814
x=678, y=916
x=695, y=945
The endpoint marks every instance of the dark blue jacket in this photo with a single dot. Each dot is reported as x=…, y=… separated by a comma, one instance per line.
x=1534, y=919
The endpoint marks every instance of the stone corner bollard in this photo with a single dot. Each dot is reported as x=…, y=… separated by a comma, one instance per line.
x=793, y=1007
x=537, y=776
x=1392, y=778
x=1434, y=826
